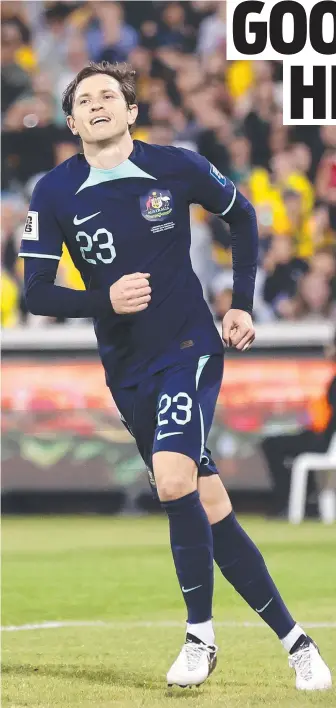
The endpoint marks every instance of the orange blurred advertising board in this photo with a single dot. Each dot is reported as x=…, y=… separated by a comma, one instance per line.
x=277, y=383
x=61, y=429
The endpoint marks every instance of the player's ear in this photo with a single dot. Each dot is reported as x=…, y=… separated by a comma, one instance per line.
x=71, y=124
x=132, y=114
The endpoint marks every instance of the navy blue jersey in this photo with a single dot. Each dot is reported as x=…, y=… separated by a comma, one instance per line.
x=133, y=218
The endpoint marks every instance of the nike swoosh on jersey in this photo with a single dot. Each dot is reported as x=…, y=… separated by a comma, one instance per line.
x=161, y=435
x=190, y=589
x=86, y=218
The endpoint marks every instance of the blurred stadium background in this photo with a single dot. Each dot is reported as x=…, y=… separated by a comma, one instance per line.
x=63, y=447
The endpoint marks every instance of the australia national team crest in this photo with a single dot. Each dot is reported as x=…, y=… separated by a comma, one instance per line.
x=156, y=205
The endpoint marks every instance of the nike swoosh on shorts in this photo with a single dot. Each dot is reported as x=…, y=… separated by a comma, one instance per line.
x=165, y=435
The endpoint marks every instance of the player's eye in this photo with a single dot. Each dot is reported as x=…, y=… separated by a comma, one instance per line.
x=83, y=100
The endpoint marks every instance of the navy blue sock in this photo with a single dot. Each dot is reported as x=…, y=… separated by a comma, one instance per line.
x=243, y=566
x=192, y=547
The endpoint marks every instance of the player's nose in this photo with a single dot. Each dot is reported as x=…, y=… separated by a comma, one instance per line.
x=95, y=106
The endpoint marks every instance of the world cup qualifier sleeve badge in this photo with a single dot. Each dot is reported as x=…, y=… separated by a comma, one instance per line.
x=156, y=205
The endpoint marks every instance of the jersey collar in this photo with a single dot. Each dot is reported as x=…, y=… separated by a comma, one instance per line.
x=125, y=170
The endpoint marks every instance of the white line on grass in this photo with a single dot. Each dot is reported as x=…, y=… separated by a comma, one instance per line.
x=139, y=625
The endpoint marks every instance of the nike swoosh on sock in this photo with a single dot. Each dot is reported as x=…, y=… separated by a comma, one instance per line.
x=264, y=608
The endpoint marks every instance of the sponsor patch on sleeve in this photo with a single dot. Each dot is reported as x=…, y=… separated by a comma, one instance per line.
x=31, y=229
x=217, y=175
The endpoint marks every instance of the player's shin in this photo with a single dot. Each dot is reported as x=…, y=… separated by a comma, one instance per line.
x=192, y=548
x=243, y=566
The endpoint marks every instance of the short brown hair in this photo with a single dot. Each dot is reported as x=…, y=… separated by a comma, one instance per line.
x=123, y=73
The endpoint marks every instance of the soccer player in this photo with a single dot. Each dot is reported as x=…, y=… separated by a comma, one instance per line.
x=122, y=209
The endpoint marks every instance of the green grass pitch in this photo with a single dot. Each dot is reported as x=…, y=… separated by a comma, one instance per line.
x=119, y=571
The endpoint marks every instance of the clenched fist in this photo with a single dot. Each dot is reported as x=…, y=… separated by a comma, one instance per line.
x=238, y=330
x=131, y=293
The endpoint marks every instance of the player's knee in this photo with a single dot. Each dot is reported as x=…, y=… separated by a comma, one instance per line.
x=175, y=475
x=216, y=511
x=170, y=490
x=214, y=498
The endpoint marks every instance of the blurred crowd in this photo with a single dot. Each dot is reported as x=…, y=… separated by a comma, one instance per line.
x=189, y=95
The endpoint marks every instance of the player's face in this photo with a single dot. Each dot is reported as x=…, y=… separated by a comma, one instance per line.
x=100, y=113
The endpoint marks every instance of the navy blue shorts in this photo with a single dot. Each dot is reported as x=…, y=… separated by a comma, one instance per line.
x=173, y=410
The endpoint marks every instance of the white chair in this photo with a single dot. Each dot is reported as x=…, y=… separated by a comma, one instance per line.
x=325, y=462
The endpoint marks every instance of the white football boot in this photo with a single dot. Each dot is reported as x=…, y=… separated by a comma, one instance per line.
x=312, y=674
x=194, y=664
